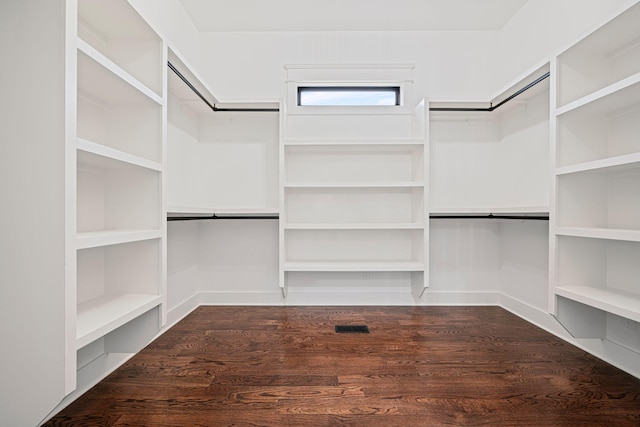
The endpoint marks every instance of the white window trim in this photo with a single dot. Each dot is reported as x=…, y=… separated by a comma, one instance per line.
x=336, y=75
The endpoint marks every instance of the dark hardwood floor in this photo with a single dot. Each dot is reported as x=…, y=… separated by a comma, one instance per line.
x=418, y=366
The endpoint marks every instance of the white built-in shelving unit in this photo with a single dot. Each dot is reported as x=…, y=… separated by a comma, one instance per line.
x=595, y=242
x=353, y=199
x=115, y=147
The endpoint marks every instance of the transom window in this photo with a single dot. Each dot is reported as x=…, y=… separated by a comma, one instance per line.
x=348, y=95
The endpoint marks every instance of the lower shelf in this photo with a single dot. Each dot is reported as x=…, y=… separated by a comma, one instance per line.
x=355, y=266
x=621, y=303
x=102, y=315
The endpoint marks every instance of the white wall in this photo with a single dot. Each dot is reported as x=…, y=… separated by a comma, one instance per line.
x=464, y=261
x=183, y=267
x=169, y=19
x=543, y=27
x=250, y=65
x=450, y=65
x=524, y=249
x=32, y=219
x=239, y=261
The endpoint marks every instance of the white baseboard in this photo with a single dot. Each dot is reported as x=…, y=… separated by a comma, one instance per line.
x=179, y=312
x=317, y=297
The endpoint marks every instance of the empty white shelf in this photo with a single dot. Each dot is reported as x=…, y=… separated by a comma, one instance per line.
x=355, y=226
x=102, y=315
x=600, y=233
x=612, y=164
x=343, y=143
x=109, y=65
x=616, y=96
x=613, y=301
x=93, y=239
x=353, y=266
x=385, y=184
x=112, y=153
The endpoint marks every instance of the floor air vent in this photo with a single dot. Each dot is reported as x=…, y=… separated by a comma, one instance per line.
x=357, y=329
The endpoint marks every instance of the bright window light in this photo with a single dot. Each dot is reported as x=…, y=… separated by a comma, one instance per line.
x=348, y=96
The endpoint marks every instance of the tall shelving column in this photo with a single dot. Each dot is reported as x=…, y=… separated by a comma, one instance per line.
x=354, y=191
x=115, y=151
x=595, y=242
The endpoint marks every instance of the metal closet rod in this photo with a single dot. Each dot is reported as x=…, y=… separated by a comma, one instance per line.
x=492, y=216
x=214, y=216
x=436, y=216
x=213, y=106
x=491, y=106
x=273, y=110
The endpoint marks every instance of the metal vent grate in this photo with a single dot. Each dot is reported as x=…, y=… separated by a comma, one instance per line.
x=357, y=329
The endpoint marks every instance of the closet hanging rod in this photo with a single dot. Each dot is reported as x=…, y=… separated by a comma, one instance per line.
x=501, y=103
x=214, y=216
x=436, y=216
x=213, y=106
x=492, y=216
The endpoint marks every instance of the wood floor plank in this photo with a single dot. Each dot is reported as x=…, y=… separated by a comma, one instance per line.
x=418, y=366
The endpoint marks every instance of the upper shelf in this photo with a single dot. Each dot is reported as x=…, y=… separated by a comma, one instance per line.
x=611, y=164
x=111, y=153
x=180, y=91
x=525, y=88
x=118, y=32
x=608, y=55
x=105, y=80
x=618, y=96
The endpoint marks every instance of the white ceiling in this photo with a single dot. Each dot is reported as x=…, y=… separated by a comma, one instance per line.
x=350, y=15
